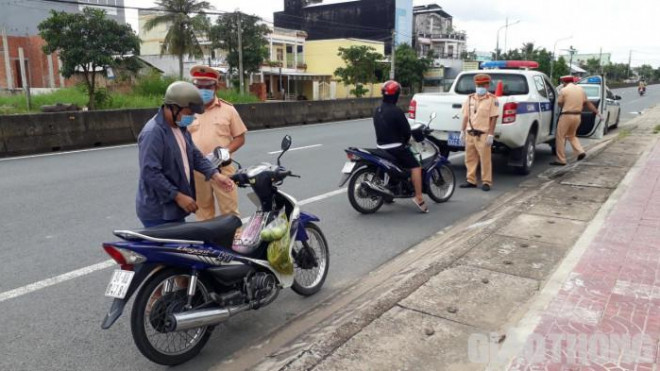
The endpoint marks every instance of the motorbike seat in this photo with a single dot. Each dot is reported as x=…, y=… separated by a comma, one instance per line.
x=218, y=231
x=382, y=153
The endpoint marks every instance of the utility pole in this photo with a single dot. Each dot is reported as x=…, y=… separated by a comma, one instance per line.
x=571, y=51
x=5, y=49
x=26, y=83
x=629, y=61
x=240, y=55
x=506, y=32
x=393, y=54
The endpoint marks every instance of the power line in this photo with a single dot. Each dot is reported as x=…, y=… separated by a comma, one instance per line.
x=223, y=12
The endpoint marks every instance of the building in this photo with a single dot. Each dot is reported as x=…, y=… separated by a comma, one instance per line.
x=604, y=58
x=151, y=43
x=373, y=20
x=19, y=22
x=322, y=60
x=435, y=32
x=21, y=18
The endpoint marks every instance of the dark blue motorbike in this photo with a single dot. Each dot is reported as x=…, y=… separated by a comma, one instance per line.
x=190, y=277
x=374, y=177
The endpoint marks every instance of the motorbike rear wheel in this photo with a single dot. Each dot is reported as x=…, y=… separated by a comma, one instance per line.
x=360, y=199
x=442, y=183
x=166, y=293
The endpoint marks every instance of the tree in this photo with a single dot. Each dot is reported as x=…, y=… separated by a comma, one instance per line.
x=409, y=69
x=529, y=52
x=616, y=72
x=645, y=71
x=185, y=20
x=224, y=35
x=592, y=66
x=361, y=65
x=90, y=43
x=560, y=68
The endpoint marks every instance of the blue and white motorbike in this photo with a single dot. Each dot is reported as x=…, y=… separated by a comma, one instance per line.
x=189, y=277
x=375, y=178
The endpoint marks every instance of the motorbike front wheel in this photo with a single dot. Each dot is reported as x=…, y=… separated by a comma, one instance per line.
x=442, y=183
x=361, y=200
x=164, y=294
x=311, y=269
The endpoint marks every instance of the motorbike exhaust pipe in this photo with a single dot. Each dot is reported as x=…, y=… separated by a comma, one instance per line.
x=377, y=189
x=203, y=317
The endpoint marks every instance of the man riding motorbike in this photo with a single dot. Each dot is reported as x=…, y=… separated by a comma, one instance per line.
x=641, y=87
x=393, y=134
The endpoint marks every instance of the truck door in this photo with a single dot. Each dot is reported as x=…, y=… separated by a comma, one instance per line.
x=590, y=125
x=545, y=107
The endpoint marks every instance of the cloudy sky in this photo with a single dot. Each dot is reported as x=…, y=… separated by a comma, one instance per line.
x=615, y=26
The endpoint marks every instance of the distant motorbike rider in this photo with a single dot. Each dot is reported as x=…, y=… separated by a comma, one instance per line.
x=641, y=86
x=393, y=134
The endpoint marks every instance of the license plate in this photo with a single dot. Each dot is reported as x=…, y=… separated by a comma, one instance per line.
x=454, y=139
x=348, y=167
x=119, y=283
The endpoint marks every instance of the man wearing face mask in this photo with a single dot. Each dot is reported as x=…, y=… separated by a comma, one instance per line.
x=219, y=125
x=167, y=158
x=480, y=112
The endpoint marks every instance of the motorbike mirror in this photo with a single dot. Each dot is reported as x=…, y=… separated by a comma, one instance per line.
x=286, y=143
x=222, y=156
x=433, y=115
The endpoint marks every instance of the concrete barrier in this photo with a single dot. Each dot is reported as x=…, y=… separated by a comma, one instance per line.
x=48, y=132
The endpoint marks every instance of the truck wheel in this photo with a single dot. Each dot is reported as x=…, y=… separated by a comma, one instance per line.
x=528, y=155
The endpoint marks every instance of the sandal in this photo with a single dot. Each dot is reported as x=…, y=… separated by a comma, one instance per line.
x=422, y=206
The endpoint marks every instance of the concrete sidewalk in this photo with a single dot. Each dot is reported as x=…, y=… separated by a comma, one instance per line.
x=574, y=253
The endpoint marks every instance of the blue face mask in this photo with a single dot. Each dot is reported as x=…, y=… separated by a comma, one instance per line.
x=186, y=120
x=481, y=90
x=207, y=95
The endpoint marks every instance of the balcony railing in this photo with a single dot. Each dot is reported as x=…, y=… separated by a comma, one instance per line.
x=443, y=36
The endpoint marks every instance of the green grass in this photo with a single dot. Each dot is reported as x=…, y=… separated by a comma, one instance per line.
x=623, y=133
x=15, y=104
x=656, y=129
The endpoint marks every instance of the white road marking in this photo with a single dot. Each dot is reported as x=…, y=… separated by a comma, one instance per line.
x=67, y=152
x=55, y=280
x=296, y=149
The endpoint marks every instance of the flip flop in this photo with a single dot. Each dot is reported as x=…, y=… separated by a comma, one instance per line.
x=421, y=206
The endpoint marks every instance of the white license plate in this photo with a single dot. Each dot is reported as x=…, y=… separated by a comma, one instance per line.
x=454, y=139
x=119, y=283
x=348, y=167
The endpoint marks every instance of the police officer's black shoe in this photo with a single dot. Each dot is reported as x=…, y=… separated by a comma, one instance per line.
x=581, y=156
x=485, y=187
x=468, y=185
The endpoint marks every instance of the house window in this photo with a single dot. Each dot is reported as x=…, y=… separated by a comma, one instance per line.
x=280, y=54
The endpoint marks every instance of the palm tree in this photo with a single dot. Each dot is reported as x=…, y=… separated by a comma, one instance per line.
x=186, y=19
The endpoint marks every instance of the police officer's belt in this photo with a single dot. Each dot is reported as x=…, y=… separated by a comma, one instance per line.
x=571, y=113
x=475, y=133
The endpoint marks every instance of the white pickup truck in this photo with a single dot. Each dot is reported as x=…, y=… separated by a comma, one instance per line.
x=528, y=113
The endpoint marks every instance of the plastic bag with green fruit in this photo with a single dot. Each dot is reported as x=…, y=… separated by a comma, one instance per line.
x=276, y=229
x=278, y=249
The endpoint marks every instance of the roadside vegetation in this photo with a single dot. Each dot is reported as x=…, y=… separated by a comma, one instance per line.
x=147, y=92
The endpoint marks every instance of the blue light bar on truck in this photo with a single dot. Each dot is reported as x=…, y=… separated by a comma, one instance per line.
x=510, y=64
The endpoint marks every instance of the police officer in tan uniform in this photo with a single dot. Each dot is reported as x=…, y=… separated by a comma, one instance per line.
x=219, y=125
x=572, y=99
x=480, y=112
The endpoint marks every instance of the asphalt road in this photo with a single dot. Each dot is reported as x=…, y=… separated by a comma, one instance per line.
x=58, y=209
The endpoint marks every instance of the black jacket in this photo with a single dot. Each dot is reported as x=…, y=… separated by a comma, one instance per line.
x=391, y=125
